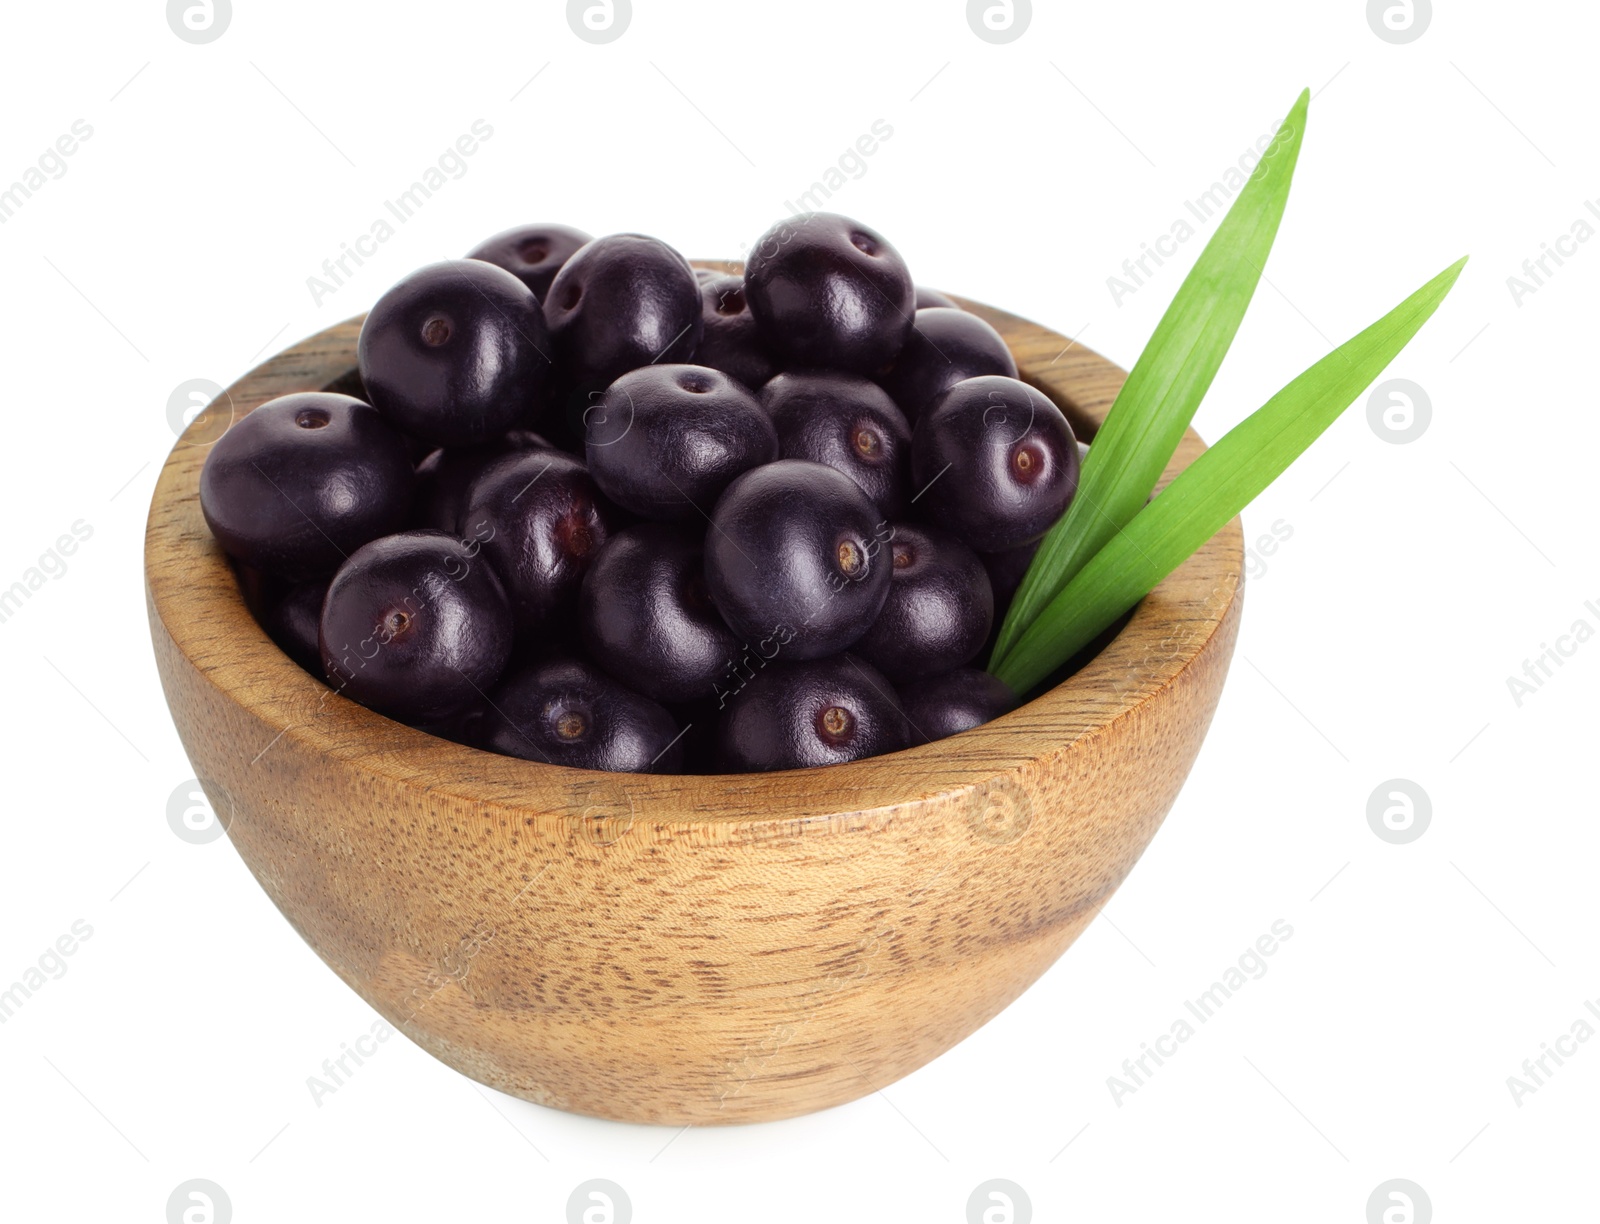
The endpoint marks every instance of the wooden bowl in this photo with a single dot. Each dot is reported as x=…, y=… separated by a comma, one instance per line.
x=684, y=949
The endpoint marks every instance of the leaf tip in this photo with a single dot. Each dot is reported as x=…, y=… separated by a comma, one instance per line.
x=1294, y=123
x=1453, y=273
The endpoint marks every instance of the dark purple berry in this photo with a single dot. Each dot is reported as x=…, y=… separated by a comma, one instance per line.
x=939, y=609
x=946, y=347
x=467, y=728
x=524, y=439
x=731, y=341
x=830, y=293
x=531, y=253
x=954, y=702
x=303, y=481
x=349, y=383
x=666, y=440
x=622, y=302
x=1006, y=571
x=565, y=712
x=292, y=618
x=994, y=461
x=932, y=299
x=256, y=588
x=537, y=517
x=456, y=353
x=796, y=549
x=445, y=478
x=416, y=626
x=848, y=423
x=647, y=617
x=802, y=715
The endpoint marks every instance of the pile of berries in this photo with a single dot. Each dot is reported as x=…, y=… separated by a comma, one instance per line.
x=597, y=509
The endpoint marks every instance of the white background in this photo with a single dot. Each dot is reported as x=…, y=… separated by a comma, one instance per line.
x=1376, y=644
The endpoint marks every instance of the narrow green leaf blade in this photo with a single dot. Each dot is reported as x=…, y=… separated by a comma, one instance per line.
x=1167, y=383
x=1214, y=488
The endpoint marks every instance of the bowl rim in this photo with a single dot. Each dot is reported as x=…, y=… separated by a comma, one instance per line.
x=196, y=603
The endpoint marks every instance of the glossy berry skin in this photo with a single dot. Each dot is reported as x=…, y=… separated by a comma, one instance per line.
x=954, y=702
x=564, y=712
x=939, y=610
x=848, y=423
x=945, y=347
x=795, y=550
x=456, y=353
x=647, y=617
x=830, y=293
x=304, y=481
x=292, y=617
x=808, y=714
x=415, y=626
x=537, y=517
x=619, y=303
x=666, y=440
x=446, y=476
x=997, y=461
x=349, y=383
x=731, y=341
x=532, y=253
x=932, y=299
x=1006, y=571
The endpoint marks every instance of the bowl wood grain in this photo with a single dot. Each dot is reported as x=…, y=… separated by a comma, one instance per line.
x=684, y=949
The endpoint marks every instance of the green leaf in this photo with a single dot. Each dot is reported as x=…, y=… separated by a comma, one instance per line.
x=1214, y=488
x=1167, y=383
